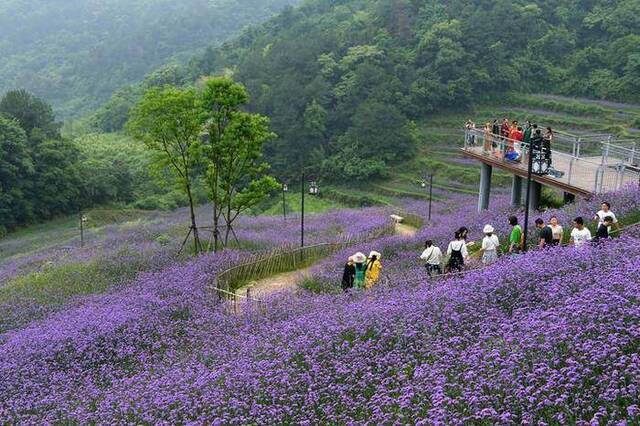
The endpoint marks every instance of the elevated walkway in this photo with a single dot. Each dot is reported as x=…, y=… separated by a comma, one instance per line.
x=585, y=165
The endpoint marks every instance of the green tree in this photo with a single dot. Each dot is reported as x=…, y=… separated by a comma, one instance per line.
x=55, y=186
x=33, y=114
x=235, y=168
x=168, y=120
x=16, y=168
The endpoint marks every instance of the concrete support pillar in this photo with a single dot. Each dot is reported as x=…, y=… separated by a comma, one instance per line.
x=569, y=198
x=536, y=192
x=485, y=187
x=516, y=191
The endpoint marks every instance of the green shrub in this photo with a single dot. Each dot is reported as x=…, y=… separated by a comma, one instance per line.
x=318, y=286
x=350, y=199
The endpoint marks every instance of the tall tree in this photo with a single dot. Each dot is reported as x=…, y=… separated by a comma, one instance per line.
x=34, y=115
x=15, y=169
x=235, y=168
x=221, y=98
x=168, y=120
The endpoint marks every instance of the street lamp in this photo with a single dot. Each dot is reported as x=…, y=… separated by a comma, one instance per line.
x=527, y=201
x=313, y=188
x=285, y=189
x=423, y=184
x=83, y=220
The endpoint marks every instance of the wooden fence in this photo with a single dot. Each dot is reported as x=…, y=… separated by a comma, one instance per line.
x=283, y=259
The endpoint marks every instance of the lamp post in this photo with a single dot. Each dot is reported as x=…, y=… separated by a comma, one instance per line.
x=83, y=219
x=423, y=184
x=302, y=209
x=527, y=200
x=314, y=189
x=285, y=189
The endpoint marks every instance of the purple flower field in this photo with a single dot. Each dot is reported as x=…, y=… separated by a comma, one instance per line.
x=550, y=337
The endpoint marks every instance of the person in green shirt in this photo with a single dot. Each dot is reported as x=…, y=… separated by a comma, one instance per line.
x=515, y=239
x=360, y=261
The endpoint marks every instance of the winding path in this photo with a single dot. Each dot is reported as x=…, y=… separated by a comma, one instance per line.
x=288, y=281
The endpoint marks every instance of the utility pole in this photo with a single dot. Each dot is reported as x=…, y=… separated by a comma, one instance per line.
x=285, y=188
x=527, y=200
x=82, y=220
x=430, y=194
x=302, y=210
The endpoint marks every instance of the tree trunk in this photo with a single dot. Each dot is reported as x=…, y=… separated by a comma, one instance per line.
x=194, y=226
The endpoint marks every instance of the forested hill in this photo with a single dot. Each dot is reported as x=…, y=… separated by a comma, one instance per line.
x=341, y=79
x=75, y=53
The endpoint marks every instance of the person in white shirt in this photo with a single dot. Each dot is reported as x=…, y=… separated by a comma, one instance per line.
x=580, y=235
x=490, y=246
x=457, y=252
x=604, y=212
x=432, y=256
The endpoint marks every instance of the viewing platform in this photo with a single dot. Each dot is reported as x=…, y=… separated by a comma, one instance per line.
x=580, y=166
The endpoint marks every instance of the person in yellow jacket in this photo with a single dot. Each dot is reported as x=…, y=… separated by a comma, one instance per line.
x=374, y=267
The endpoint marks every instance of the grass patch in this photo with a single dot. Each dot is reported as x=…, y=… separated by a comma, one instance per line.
x=317, y=286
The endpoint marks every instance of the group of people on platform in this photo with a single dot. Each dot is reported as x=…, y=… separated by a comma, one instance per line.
x=361, y=272
x=548, y=235
x=506, y=140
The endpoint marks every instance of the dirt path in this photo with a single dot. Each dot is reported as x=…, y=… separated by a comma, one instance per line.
x=405, y=230
x=280, y=282
x=289, y=280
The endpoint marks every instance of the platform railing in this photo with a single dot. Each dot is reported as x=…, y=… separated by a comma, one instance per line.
x=588, y=172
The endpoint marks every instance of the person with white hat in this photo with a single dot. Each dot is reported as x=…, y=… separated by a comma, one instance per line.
x=490, y=246
x=348, y=275
x=373, y=269
x=360, y=265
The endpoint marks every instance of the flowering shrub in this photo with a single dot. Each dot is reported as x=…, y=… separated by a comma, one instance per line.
x=548, y=337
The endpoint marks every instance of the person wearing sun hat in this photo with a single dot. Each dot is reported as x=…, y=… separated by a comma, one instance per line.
x=490, y=246
x=348, y=275
x=373, y=269
x=360, y=265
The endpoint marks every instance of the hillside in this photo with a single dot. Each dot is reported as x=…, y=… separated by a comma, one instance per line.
x=511, y=344
x=76, y=53
x=343, y=81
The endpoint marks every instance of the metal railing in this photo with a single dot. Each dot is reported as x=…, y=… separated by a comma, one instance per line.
x=591, y=174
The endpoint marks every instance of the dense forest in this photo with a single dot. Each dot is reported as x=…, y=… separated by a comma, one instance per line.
x=345, y=83
x=76, y=53
x=342, y=80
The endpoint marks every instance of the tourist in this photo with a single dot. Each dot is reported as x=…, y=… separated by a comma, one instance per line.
x=547, y=139
x=457, y=252
x=556, y=230
x=488, y=138
x=603, y=230
x=432, y=256
x=515, y=238
x=490, y=246
x=495, y=128
x=545, y=234
x=504, y=129
x=349, y=275
x=471, y=126
x=464, y=233
x=604, y=212
x=580, y=233
x=536, y=139
x=360, y=266
x=526, y=136
x=374, y=267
